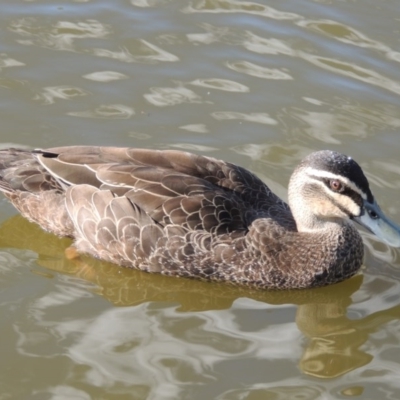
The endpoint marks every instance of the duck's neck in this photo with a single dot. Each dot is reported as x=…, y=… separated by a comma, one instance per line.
x=308, y=221
x=314, y=224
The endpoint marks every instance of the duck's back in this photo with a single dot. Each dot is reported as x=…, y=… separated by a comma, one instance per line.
x=171, y=187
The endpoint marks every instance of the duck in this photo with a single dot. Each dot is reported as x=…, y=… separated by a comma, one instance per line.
x=188, y=215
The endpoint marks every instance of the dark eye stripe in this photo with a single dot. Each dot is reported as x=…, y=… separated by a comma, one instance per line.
x=354, y=196
x=346, y=191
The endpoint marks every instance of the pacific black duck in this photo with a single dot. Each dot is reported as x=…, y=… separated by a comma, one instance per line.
x=194, y=216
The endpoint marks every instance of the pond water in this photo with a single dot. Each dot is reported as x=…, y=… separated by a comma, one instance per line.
x=260, y=84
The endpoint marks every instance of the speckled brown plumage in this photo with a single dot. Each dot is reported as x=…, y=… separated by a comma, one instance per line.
x=176, y=213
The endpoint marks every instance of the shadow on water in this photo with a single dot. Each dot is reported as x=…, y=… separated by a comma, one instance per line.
x=334, y=342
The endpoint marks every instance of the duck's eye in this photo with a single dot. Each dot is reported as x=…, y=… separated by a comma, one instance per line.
x=336, y=185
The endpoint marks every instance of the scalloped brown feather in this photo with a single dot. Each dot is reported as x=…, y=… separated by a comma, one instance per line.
x=176, y=213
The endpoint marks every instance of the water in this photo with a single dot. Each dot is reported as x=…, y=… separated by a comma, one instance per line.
x=259, y=84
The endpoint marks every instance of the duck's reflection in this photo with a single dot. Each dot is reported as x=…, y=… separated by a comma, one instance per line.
x=334, y=342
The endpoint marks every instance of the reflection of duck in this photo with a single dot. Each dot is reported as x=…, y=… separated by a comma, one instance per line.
x=333, y=345
x=188, y=215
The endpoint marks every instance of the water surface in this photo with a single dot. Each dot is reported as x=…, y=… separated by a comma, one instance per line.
x=260, y=84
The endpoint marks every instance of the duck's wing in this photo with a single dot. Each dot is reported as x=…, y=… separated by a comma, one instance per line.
x=20, y=171
x=36, y=194
x=172, y=186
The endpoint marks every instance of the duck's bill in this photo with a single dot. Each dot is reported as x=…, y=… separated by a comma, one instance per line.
x=376, y=221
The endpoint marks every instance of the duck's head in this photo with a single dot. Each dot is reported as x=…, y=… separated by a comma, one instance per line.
x=329, y=187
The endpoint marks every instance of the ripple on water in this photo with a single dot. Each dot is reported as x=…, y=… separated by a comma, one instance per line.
x=257, y=84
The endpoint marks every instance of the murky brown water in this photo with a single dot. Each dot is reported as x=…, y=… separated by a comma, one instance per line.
x=260, y=84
